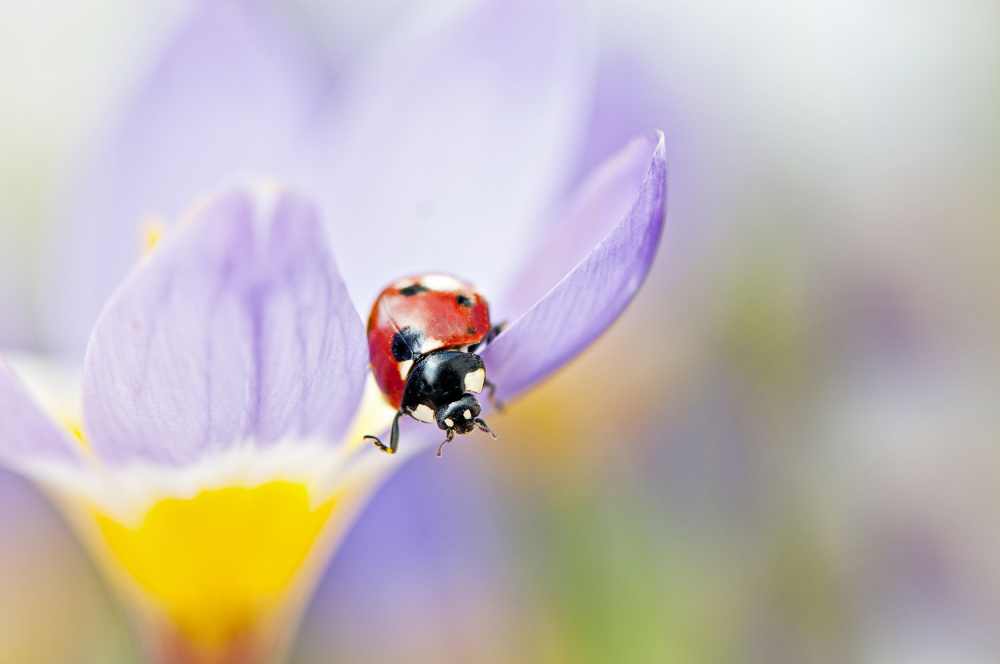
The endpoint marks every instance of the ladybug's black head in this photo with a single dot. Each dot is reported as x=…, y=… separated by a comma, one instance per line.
x=438, y=381
x=437, y=390
x=459, y=415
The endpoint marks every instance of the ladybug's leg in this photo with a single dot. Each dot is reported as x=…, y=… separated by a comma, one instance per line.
x=451, y=434
x=393, y=437
x=495, y=332
x=490, y=336
x=492, y=396
x=482, y=425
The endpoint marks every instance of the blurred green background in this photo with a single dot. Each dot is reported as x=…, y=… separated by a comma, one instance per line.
x=787, y=450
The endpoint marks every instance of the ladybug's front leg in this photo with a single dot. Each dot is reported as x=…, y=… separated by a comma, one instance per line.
x=497, y=406
x=393, y=436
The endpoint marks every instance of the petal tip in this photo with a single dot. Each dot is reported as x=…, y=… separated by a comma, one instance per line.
x=587, y=300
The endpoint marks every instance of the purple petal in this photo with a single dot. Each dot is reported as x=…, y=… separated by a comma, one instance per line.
x=27, y=435
x=629, y=97
x=238, y=329
x=599, y=203
x=15, y=332
x=588, y=299
x=457, y=140
x=233, y=94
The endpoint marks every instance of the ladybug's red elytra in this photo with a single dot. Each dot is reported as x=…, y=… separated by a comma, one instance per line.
x=422, y=334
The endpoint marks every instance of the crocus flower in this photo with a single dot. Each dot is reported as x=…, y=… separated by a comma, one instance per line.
x=215, y=458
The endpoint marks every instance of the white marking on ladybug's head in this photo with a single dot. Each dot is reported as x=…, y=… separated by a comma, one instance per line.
x=449, y=422
x=423, y=413
x=467, y=414
x=404, y=368
x=474, y=380
x=431, y=344
x=442, y=282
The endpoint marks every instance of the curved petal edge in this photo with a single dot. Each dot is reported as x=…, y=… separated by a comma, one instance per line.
x=595, y=292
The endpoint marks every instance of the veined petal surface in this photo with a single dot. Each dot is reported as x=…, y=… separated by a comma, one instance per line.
x=593, y=294
x=233, y=95
x=453, y=142
x=237, y=331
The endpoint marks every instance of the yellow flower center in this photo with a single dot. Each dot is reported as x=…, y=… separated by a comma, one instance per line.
x=220, y=561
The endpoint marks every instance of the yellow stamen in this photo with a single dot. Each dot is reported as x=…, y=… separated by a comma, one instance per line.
x=74, y=425
x=219, y=562
x=152, y=227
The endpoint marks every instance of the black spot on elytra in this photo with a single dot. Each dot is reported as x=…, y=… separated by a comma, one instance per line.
x=470, y=330
x=463, y=301
x=413, y=290
x=406, y=343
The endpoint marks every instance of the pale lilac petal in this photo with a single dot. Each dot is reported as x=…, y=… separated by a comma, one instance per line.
x=233, y=95
x=588, y=299
x=237, y=331
x=15, y=331
x=582, y=222
x=27, y=435
x=455, y=142
x=629, y=98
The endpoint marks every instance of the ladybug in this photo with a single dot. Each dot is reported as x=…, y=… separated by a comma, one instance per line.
x=422, y=335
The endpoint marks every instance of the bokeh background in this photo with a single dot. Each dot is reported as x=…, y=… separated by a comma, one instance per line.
x=787, y=450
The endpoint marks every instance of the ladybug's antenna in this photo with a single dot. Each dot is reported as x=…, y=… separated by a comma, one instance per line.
x=482, y=425
x=451, y=434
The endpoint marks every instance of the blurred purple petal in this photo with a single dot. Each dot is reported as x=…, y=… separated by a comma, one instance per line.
x=457, y=553
x=584, y=303
x=629, y=98
x=584, y=220
x=233, y=94
x=15, y=330
x=27, y=435
x=459, y=138
x=238, y=329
